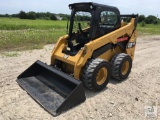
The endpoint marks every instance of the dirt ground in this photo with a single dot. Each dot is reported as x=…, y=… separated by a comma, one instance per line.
x=119, y=101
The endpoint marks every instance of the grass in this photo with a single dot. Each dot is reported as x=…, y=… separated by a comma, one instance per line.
x=149, y=29
x=28, y=39
x=18, y=34
x=21, y=24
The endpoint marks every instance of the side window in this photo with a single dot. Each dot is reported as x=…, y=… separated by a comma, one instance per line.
x=108, y=18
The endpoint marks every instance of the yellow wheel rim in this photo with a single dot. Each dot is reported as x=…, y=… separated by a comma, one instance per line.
x=125, y=68
x=101, y=76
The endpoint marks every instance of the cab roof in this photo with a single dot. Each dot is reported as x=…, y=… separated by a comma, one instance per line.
x=86, y=5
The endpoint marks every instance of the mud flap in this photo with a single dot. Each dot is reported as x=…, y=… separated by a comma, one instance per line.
x=52, y=89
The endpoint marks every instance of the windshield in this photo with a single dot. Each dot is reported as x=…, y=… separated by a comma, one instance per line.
x=83, y=19
x=79, y=30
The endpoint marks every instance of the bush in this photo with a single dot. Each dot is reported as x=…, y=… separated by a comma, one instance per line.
x=143, y=24
x=155, y=22
x=47, y=18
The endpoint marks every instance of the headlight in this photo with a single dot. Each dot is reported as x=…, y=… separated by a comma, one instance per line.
x=131, y=44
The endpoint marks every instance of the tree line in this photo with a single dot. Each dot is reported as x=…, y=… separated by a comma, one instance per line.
x=37, y=15
x=151, y=19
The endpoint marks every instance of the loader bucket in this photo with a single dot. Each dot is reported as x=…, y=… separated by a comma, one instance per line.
x=51, y=88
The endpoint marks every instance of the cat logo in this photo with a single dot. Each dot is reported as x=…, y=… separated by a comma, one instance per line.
x=65, y=56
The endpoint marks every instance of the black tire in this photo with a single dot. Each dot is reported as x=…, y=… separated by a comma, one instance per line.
x=121, y=66
x=96, y=74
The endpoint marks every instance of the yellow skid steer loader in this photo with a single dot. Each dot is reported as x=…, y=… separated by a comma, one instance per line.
x=100, y=44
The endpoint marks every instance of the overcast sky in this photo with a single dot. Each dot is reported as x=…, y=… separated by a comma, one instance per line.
x=146, y=7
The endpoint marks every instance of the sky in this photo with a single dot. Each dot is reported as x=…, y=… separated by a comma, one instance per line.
x=146, y=7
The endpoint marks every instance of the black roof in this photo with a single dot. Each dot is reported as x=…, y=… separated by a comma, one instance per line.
x=88, y=4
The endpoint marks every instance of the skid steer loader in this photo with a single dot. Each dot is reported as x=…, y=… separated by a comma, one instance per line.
x=100, y=44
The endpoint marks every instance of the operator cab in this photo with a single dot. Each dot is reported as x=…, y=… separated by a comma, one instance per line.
x=89, y=21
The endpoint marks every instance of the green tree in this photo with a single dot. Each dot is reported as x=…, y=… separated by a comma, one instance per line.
x=6, y=15
x=15, y=15
x=141, y=18
x=22, y=15
x=53, y=17
x=150, y=19
x=47, y=14
x=31, y=15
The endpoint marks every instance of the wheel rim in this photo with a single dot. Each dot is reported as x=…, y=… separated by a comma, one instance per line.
x=101, y=76
x=125, y=68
